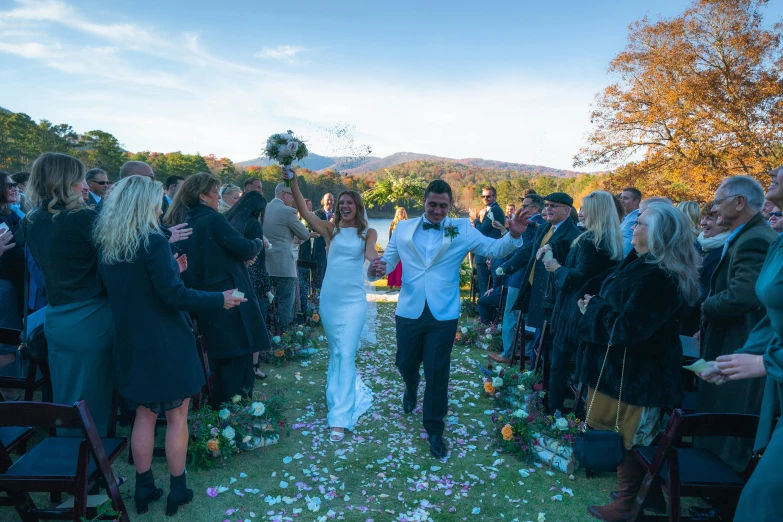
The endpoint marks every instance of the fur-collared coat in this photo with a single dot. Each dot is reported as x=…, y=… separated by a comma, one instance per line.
x=646, y=304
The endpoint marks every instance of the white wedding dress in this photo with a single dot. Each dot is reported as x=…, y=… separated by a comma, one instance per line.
x=343, y=312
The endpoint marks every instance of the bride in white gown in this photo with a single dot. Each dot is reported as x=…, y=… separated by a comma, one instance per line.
x=343, y=306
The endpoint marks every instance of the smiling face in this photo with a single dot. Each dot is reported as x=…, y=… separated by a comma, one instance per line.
x=328, y=202
x=99, y=184
x=774, y=191
x=10, y=188
x=709, y=225
x=347, y=208
x=776, y=219
x=555, y=213
x=436, y=207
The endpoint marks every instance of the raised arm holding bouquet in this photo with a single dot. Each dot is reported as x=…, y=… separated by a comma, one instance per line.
x=285, y=148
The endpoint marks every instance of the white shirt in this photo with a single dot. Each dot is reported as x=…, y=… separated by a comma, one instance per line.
x=97, y=198
x=427, y=242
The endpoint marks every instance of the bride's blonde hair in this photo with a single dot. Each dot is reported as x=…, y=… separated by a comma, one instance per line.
x=129, y=217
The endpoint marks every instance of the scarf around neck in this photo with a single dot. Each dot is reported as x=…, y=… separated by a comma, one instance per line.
x=709, y=244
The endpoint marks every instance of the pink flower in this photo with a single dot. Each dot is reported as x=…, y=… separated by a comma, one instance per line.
x=212, y=492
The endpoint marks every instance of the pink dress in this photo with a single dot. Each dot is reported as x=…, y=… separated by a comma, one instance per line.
x=394, y=279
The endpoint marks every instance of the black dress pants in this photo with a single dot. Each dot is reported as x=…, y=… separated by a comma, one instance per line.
x=429, y=341
x=234, y=377
x=558, y=378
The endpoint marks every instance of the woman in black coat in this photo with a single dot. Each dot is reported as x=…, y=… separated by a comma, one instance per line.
x=593, y=253
x=247, y=218
x=155, y=354
x=217, y=259
x=638, y=311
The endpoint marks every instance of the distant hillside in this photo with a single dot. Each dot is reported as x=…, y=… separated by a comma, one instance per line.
x=311, y=162
x=397, y=158
x=5, y=111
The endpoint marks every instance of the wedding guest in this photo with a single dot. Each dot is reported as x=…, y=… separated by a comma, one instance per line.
x=766, y=209
x=511, y=209
x=172, y=186
x=394, y=279
x=637, y=310
x=630, y=199
x=760, y=356
x=10, y=219
x=144, y=288
x=98, y=183
x=79, y=327
x=732, y=308
x=482, y=220
x=281, y=227
x=21, y=179
x=247, y=218
x=534, y=204
x=305, y=254
x=217, y=258
x=253, y=184
x=229, y=195
x=555, y=236
x=10, y=317
x=581, y=217
x=693, y=212
x=136, y=168
x=594, y=252
x=326, y=213
x=775, y=220
x=649, y=201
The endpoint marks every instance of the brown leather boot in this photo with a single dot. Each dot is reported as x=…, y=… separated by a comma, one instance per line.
x=629, y=479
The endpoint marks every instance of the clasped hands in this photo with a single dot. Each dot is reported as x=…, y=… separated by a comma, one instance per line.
x=734, y=367
x=377, y=268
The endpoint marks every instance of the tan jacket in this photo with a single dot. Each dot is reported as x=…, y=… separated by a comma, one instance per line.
x=281, y=224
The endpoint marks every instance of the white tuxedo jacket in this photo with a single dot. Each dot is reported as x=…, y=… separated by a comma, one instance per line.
x=437, y=283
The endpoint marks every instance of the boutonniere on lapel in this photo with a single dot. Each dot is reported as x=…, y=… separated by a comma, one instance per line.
x=451, y=232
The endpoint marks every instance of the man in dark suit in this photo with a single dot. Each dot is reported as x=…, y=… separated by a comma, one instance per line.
x=482, y=220
x=98, y=183
x=556, y=236
x=326, y=212
x=173, y=183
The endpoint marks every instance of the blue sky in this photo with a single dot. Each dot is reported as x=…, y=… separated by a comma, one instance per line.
x=503, y=80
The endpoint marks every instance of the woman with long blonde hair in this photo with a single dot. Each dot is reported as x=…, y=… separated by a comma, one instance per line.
x=79, y=327
x=692, y=211
x=349, y=242
x=146, y=295
x=394, y=279
x=595, y=251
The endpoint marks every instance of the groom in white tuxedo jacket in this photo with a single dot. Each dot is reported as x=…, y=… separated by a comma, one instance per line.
x=432, y=248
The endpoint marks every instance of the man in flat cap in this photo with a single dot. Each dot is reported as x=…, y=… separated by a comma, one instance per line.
x=556, y=235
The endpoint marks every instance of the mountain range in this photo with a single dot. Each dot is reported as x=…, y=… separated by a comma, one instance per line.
x=354, y=166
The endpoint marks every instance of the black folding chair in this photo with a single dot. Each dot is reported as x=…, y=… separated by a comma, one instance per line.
x=30, y=382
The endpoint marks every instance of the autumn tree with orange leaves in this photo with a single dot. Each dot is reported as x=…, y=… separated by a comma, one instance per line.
x=699, y=97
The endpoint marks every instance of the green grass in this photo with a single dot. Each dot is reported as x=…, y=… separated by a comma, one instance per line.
x=383, y=470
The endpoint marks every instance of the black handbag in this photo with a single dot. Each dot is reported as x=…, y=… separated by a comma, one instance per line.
x=33, y=347
x=601, y=450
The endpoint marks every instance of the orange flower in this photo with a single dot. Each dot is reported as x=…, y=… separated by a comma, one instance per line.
x=212, y=445
x=279, y=353
x=459, y=336
x=316, y=318
x=507, y=433
x=488, y=387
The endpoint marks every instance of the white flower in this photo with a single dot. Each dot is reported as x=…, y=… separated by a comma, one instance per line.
x=464, y=330
x=293, y=146
x=520, y=414
x=247, y=439
x=521, y=388
x=283, y=151
x=236, y=398
x=488, y=330
x=224, y=414
x=257, y=409
x=314, y=503
x=561, y=424
x=299, y=334
x=488, y=337
x=463, y=272
x=229, y=433
x=321, y=338
x=497, y=382
x=276, y=339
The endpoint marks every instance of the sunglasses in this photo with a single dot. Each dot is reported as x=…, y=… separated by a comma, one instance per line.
x=776, y=214
x=487, y=196
x=101, y=183
x=551, y=205
x=11, y=185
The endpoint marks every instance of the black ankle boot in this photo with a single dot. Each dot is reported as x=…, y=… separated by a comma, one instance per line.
x=178, y=495
x=146, y=491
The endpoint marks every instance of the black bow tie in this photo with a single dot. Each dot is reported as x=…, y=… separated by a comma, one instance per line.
x=434, y=226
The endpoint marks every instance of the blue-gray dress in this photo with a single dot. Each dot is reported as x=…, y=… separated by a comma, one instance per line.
x=759, y=501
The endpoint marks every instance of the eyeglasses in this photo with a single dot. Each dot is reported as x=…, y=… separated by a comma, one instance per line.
x=552, y=205
x=101, y=183
x=777, y=213
x=11, y=185
x=721, y=200
x=638, y=223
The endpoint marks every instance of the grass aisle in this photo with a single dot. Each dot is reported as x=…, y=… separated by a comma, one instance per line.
x=383, y=471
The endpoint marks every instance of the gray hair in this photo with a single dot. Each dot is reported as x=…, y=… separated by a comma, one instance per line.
x=671, y=245
x=93, y=173
x=279, y=189
x=747, y=187
x=649, y=201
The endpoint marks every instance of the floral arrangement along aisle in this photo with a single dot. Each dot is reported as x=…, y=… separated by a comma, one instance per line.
x=297, y=344
x=244, y=424
x=481, y=336
x=285, y=148
x=523, y=427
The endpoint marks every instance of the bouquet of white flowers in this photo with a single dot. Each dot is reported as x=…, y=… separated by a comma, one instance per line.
x=285, y=148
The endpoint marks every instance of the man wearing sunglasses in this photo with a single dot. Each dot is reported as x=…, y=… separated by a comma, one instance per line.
x=482, y=220
x=98, y=183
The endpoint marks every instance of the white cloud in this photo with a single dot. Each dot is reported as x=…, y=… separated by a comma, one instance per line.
x=287, y=53
x=172, y=93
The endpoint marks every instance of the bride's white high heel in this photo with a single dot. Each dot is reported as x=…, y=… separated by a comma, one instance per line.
x=336, y=436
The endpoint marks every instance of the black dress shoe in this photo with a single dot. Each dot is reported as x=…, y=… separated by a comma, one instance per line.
x=408, y=402
x=438, y=446
x=705, y=513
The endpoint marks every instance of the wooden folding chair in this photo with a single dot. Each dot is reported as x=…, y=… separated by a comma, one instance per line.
x=694, y=472
x=59, y=464
x=29, y=383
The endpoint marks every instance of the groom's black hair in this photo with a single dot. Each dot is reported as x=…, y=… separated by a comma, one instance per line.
x=438, y=187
